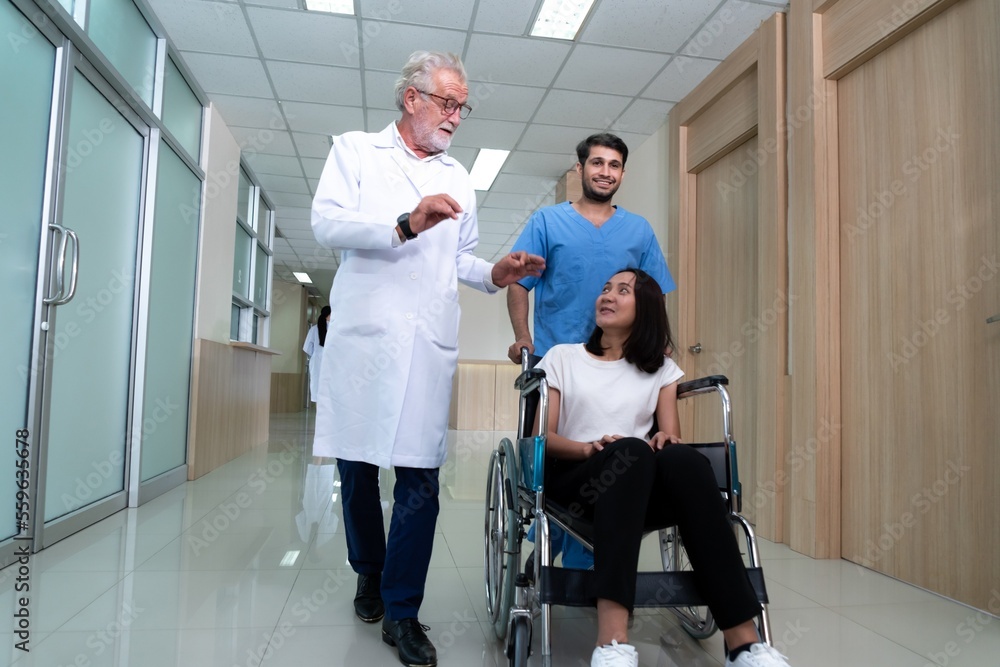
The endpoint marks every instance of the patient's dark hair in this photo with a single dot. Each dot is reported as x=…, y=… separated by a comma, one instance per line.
x=651, y=330
x=322, y=324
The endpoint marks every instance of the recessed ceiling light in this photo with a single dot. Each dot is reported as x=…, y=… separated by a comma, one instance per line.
x=561, y=19
x=331, y=6
x=487, y=166
x=302, y=277
x=289, y=559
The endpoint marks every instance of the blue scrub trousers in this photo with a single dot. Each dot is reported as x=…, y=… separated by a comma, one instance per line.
x=404, y=557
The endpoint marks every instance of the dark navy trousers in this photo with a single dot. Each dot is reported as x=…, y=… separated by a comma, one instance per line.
x=404, y=557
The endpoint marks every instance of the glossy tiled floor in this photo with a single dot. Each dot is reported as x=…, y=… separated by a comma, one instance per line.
x=247, y=566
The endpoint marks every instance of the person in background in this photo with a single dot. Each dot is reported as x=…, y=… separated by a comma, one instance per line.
x=315, y=340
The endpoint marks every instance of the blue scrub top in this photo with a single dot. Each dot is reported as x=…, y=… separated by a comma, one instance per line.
x=579, y=259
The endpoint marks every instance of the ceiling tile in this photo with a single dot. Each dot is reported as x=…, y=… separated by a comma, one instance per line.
x=555, y=138
x=299, y=234
x=552, y=165
x=313, y=166
x=727, y=29
x=229, y=75
x=291, y=212
x=466, y=156
x=272, y=184
x=644, y=117
x=523, y=184
x=478, y=133
x=287, y=4
x=511, y=17
x=517, y=60
x=322, y=118
x=572, y=108
x=210, y=27
x=379, y=119
x=511, y=201
x=311, y=37
x=286, y=198
x=500, y=101
x=679, y=78
x=380, y=89
x=616, y=71
x=299, y=82
x=255, y=141
x=390, y=46
x=277, y=164
x=312, y=145
x=451, y=14
x=658, y=26
x=249, y=111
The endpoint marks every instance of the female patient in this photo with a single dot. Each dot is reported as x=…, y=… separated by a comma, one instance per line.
x=602, y=400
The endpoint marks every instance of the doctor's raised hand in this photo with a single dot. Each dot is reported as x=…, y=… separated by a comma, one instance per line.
x=514, y=266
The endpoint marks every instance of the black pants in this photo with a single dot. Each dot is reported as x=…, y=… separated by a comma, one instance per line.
x=627, y=489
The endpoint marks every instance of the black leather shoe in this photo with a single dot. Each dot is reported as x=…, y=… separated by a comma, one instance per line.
x=368, y=601
x=415, y=649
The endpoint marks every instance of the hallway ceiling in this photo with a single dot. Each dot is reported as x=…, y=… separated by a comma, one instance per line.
x=285, y=80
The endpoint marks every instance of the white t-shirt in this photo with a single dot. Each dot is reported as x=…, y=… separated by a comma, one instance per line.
x=604, y=397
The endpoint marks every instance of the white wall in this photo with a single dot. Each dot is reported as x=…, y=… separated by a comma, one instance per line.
x=485, y=331
x=218, y=231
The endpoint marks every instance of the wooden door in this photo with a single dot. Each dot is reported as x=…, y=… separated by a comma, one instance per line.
x=728, y=214
x=919, y=151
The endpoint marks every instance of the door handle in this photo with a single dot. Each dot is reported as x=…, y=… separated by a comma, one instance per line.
x=60, y=265
x=696, y=348
x=61, y=297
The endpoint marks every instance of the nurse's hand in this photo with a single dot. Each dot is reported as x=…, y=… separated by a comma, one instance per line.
x=432, y=210
x=514, y=266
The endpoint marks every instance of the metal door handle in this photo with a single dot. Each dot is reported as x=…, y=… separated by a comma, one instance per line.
x=61, y=297
x=60, y=265
x=696, y=348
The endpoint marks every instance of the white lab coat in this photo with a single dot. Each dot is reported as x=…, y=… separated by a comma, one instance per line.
x=315, y=352
x=392, y=346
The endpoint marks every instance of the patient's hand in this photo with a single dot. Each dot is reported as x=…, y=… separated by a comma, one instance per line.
x=661, y=440
x=605, y=440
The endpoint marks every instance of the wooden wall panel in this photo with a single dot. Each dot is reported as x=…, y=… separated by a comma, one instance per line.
x=724, y=124
x=230, y=404
x=287, y=392
x=473, y=396
x=854, y=31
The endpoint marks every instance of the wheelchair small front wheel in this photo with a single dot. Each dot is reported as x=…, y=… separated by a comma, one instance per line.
x=519, y=643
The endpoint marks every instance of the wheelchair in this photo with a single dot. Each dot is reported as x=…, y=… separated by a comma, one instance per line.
x=516, y=591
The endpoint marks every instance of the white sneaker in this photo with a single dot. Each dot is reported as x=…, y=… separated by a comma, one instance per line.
x=615, y=655
x=759, y=655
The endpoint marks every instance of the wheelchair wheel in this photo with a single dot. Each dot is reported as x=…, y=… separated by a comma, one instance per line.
x=696, y=621
x=501, y=547
x=519, y=644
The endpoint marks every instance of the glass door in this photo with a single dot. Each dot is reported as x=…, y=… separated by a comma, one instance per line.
x=86, y=415
x=27, y=76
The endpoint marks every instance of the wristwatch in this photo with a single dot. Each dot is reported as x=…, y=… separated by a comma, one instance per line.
x=404, y=226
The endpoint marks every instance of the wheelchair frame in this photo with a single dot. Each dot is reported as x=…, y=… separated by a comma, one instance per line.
x=515, y=494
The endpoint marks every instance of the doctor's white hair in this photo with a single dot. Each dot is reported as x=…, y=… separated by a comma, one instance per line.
x=419, y=71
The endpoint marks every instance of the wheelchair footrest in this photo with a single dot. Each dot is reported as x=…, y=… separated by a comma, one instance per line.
x=571, y=588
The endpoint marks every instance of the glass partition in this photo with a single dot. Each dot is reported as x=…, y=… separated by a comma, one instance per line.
x=182, y=111
x=171, y=317
x=122, y=34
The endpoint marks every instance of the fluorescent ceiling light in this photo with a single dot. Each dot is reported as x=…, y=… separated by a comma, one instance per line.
x=302, y=277
x=561, y=19
x=289, y=558
x=332, y=6
x=486, y=168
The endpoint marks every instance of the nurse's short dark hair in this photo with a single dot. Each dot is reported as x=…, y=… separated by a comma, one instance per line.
x=605, y=139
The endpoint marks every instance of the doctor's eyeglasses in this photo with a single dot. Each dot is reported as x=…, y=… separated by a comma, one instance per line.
x=449, y=105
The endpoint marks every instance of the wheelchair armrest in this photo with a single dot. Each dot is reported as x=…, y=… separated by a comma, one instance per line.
x=528, y=381
x=701, y=384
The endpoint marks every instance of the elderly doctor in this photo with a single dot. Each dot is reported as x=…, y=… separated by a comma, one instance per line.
x=404, y=214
